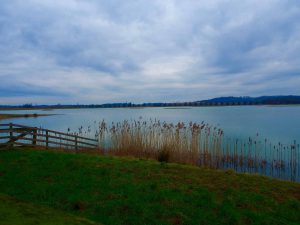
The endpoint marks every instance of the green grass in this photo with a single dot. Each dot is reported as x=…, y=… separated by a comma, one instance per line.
x=113, y=190
x=15, y=212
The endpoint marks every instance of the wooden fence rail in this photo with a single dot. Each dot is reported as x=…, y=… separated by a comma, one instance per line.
x=19, y=135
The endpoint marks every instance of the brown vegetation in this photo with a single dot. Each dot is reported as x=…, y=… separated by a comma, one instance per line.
x=198, y=144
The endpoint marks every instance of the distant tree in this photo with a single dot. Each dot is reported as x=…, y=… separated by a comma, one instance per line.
x=28, y=105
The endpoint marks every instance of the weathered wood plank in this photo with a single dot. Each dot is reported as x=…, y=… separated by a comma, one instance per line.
x=56, y=142
x=15, y=130
x=4, y=137
x=53, y=147
x=65, y=139
x=20, y=130
x=57, y=132
x=49, y=137
x=15, y=138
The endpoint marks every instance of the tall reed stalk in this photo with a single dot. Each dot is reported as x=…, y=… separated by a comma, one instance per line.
x=198, y=144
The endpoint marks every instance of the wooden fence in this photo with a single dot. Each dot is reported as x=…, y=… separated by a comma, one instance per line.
x=19, y=135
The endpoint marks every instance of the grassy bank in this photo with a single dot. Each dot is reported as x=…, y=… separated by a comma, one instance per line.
x=15, y=212
x=114, y=190
x=10, y=116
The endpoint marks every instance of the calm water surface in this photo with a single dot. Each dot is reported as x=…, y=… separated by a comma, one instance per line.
x=276, y=123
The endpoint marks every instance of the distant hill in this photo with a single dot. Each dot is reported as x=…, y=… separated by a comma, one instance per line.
x=263, y=100
x=221, y=101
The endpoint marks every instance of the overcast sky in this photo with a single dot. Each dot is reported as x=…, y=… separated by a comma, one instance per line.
x=98, y=51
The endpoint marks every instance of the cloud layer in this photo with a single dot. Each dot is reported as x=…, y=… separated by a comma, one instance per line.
x=88, y=51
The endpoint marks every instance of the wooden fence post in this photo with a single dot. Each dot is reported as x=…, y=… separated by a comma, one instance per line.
x=76, y=143
x=47, y=140
x=34, y=136
x=11, y=134
x=59, y=141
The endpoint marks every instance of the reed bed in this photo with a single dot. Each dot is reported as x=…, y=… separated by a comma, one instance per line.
x=198, y=144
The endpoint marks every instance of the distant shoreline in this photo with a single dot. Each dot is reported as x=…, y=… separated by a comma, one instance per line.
x=280, y=100
x=10, y=116
x=127, y=107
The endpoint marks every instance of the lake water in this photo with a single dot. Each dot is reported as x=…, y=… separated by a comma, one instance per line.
x=257, y=139
x=276, y=123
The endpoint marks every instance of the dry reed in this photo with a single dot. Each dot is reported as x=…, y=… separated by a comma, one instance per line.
x=198, y=144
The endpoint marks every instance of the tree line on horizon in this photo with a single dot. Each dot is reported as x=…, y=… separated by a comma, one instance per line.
x=222, y=101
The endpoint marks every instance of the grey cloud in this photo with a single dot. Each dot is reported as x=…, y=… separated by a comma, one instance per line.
x=100, y=51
